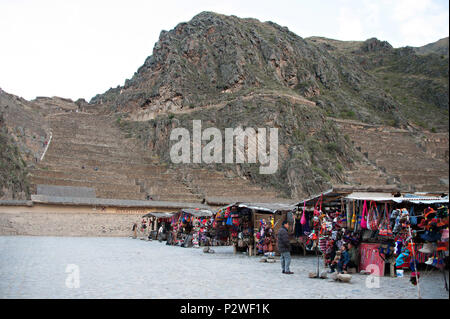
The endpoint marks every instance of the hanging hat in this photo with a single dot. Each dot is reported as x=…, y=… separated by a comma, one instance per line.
x=427, y=248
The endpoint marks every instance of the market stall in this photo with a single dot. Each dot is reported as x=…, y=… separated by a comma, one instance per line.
x=400, y=223
x=381, y=225
x=159, y=224
x=190, y=227
x=250, y=227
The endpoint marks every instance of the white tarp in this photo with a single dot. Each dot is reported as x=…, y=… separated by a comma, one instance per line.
x=383, y=197
x=268, y=207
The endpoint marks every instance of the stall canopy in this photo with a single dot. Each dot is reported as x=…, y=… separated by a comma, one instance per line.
x=159, y=215
x=415, y=198
x=197, y=212
x=381, y=194
x=268, y=207
x=330, y=197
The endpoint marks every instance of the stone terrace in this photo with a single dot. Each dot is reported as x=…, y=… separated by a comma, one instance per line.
x=414, y=161
x=87, y=150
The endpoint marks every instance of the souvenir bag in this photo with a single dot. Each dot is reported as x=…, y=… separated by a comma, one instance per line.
x=323, y=244
x=385, y=226
x=353, y=221
x=372, y=216
x=303, y=219
x=229, y=220
x=383, y=216
x=343, y=222
x=364, y=216
x=369, y=213
x=305, y=227
x=317, y=212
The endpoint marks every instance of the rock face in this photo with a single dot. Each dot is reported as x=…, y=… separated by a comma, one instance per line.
x=342, y=109
x=23, y=133
x=13, y=182
x=232, y=72
x=214, y=57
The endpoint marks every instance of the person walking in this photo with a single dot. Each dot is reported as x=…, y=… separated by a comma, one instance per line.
x=134, y=229
x=284, y=247
x=160, y=232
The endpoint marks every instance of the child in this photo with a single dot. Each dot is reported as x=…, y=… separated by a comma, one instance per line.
x=330, y=253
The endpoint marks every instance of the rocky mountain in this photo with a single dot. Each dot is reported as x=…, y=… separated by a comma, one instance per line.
x=234, y=72
x=214, y=57
x=340, y=106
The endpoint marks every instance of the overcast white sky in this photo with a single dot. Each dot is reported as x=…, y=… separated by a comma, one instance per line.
x=76, y=49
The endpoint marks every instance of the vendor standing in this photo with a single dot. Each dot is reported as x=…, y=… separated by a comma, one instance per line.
x=284, y=247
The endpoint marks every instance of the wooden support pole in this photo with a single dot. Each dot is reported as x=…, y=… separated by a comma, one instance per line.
x=414, y=258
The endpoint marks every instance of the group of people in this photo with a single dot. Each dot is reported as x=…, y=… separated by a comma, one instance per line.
x=161, y=232
x=342, y=259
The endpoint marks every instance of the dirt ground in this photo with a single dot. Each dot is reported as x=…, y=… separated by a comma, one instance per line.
x=67, y=221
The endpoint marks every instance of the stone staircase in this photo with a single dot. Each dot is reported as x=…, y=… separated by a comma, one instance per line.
x=89, y=150
x=414, y=160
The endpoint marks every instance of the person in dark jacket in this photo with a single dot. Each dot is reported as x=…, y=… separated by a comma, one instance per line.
x=344, y=260
x=284, y=247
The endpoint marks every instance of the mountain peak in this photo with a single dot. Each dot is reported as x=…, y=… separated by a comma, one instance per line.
x=373, y=44
x=439, y=47
x=214, y=58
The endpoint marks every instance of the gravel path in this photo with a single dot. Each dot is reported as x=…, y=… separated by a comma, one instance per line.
x=35, y=267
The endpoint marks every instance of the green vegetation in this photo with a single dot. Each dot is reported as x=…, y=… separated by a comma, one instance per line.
x=13, y=170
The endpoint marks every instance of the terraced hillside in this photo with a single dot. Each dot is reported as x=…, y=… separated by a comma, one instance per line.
x=89, y=150
x=414, y=160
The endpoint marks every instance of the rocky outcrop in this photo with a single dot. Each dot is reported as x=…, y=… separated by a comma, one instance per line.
x=231, y=72
x=213, y=58
x=234, y=72
x=13, y=169
x=23, y=135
